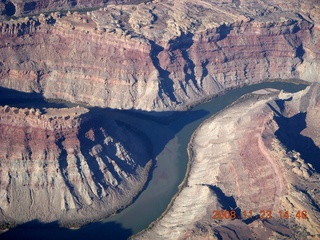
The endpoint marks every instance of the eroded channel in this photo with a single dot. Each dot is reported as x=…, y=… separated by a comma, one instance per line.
x=169, y=137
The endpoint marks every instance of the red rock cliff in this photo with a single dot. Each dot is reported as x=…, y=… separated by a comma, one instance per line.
x=26, y=7
x=57, y=165
x=161, y=55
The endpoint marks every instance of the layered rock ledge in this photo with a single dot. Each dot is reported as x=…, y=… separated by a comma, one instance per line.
x=161, y=55
x=262, y=154
x=18, y=8
x=67, y=165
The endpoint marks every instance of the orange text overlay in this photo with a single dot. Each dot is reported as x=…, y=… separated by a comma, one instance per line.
x=263, y=214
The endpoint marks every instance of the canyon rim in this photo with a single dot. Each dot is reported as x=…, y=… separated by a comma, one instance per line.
x=152, y=56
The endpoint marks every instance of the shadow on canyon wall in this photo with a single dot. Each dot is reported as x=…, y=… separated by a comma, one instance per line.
x=230, y=204
x=166, y=87
x=179, y=45
x=16, y=98
x=156, y=129
x=35, y=230
x=289, y=134
x=183, y=45
x=9, y=9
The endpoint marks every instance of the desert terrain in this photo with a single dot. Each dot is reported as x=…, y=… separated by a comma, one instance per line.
x=259, y=155
x=161, y=56
x=67, y=164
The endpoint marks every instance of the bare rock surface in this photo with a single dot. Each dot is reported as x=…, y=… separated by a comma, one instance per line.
x=58, y=165
x=258, y=155
x=160, y=55
x=18, y=8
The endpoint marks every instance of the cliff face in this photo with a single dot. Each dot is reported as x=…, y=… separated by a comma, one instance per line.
x=259, y=158
x=19, y=8
x=161, y=55
x=58, y=165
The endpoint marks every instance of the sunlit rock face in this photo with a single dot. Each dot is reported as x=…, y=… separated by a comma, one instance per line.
x=161, y=55
x=18, y=8
x=258, y=158
x=64, y=164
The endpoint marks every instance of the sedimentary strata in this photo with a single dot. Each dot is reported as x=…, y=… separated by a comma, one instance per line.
x=18, y=8
x=258, y=155
x=57, y=164
x=160, y=55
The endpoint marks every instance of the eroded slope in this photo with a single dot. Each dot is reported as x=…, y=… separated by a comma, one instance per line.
x=67, y=165
x=161, y=55
x=240, y=160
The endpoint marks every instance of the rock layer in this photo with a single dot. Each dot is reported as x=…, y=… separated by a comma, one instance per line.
x=19, y=8
x=162, y=55
x=59, y=165
x=240, y=161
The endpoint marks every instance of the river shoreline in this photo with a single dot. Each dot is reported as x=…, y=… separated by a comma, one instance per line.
x=184, y=183
x=124, y=212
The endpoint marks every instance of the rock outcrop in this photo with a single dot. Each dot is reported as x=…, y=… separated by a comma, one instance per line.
x=18, y=8
x=159, y=56
x=256, y=156
x=162, y=55
x=57, y=164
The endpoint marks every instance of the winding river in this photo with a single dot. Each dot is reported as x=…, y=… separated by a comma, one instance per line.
x=169, y=137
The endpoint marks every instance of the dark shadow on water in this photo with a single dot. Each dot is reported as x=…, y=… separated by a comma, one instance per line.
x=36, y=230
x=26, y=100
x=156, y=128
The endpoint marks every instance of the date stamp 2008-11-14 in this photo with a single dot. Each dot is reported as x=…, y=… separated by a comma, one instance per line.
x=263, y=214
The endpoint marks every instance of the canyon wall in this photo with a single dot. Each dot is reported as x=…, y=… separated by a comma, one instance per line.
x=18, y=8
x=258, y=158
x=160, y=56
x=67, y=164
x=163, y=55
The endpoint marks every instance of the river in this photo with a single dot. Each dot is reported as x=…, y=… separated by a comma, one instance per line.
x=169, y=137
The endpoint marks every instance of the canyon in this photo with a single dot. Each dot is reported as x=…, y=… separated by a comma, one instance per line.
x=159, y=57
x=67, y=164
x=20, y=8
x=260, y=154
